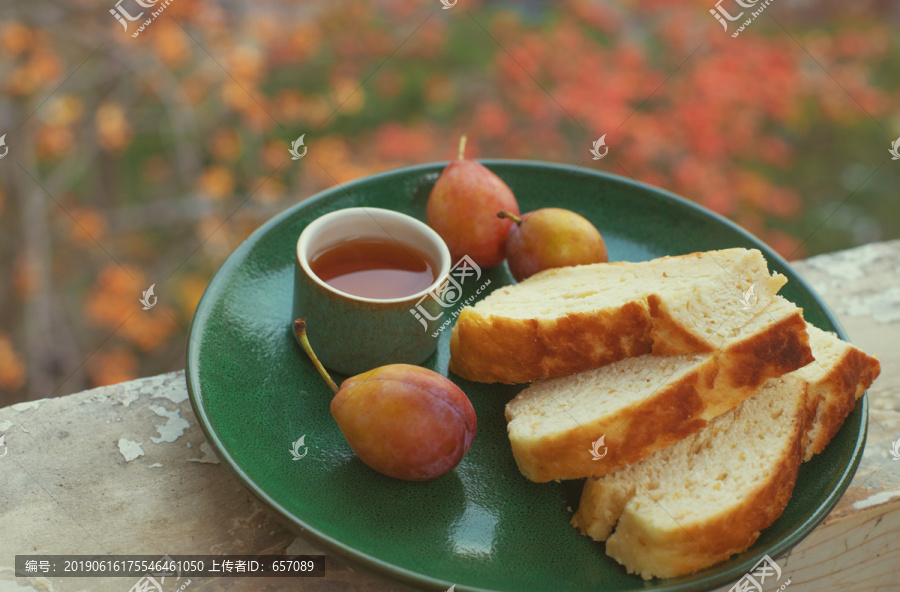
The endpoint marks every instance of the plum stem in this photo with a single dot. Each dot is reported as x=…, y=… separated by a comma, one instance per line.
x=462, y=146
x=511, y=216
x=300, y=332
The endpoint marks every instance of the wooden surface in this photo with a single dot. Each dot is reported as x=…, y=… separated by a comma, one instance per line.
x=125, y=469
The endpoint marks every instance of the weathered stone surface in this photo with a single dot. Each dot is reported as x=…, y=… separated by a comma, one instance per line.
x=121, y=469
x=126, y=469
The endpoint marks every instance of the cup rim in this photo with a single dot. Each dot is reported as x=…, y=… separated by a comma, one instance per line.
x=302, y=249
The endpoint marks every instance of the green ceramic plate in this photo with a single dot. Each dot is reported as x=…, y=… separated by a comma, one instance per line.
x=482, y=526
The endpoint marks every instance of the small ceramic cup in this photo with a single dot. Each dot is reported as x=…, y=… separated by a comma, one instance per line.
x=351, y=334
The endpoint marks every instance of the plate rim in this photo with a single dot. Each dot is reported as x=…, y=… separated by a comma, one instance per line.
x=417, y=580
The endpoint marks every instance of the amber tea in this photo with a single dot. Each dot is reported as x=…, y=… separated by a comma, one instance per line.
x=374, y=268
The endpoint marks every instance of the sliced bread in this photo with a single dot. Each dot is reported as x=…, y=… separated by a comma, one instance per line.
x=572, y=319
x=698, y=502
x=643, y=404
x=707, y=497
x=839, y=376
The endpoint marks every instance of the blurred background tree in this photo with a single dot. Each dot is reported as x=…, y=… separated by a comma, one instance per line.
x=138, y=161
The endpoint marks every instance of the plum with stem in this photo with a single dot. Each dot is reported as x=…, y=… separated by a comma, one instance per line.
x=404, y=421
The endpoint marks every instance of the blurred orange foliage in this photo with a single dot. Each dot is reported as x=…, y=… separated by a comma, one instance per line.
x=152, y=144
x=112, y=303
x=12, y=368
x=117, y=364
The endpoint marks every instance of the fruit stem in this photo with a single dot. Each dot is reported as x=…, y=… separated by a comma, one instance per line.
x=510, y=215
x=462, y=146
x=300, y=332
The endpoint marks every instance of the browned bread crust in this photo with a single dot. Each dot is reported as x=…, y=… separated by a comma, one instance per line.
x=828, y=396
x=685, y=550
x=668, y=336
x=677, y=409
x=631, y=433
x=499, y=349
x=783, y=348
x=833, y=398
x=488, y=347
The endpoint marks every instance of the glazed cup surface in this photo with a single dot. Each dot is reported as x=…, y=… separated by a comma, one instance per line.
x=351, y=334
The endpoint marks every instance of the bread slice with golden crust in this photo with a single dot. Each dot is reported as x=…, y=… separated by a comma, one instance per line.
x=571, y=319
x=643, y=404
x=839, y=376
x=707, y=497
x=700, y=501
